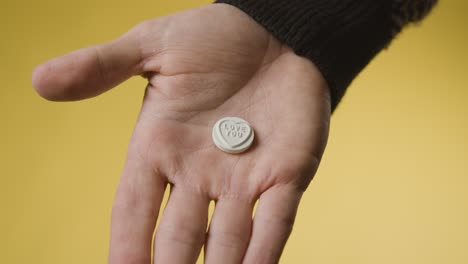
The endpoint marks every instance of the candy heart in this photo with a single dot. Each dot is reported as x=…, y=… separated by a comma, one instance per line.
x=232, y=134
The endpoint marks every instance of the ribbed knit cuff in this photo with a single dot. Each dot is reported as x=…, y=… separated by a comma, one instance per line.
x=339, y=36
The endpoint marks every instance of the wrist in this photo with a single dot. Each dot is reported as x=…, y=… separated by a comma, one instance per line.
x=340, y=37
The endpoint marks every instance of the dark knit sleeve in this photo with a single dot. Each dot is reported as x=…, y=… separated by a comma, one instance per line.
x=339, y=36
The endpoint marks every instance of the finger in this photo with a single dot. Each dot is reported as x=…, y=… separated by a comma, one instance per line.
x=134, y=213
x=229, y=231
x=181, y=232
x=90, y=71
x=272, y=225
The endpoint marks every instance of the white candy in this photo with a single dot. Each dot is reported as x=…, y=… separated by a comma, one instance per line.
x=233, y=135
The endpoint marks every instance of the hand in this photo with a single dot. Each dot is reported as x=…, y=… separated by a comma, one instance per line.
x=202, y=65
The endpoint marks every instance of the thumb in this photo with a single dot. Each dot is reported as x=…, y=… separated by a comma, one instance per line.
x=90, y=71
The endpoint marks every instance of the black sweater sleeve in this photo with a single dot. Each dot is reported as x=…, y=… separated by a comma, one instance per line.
x=339, y=36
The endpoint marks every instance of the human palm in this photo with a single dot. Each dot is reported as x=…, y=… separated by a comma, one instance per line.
x=203, y=65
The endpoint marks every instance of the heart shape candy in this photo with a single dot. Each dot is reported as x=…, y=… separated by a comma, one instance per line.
x=233, y=135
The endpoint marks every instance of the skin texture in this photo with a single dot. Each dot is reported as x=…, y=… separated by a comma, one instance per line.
x=202, y=65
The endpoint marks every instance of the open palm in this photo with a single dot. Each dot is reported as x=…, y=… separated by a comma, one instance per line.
x=203, y=65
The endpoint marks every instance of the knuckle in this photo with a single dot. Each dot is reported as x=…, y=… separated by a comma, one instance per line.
x=180, y=235
x=228, y=239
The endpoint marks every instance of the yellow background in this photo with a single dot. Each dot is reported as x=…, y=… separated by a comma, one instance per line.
x=393, y=186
